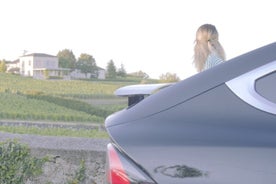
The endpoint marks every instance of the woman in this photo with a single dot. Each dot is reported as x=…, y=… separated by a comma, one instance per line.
x=208, y=52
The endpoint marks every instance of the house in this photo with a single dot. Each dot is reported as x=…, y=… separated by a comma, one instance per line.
x=13, y=67
x=77, y=74
x=42, y=66
x=101, y=73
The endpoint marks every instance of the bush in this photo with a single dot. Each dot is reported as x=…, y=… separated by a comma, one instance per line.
x=80, y=175
x=16, y=163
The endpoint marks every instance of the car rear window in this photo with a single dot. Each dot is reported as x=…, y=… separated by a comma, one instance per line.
x=266, y=86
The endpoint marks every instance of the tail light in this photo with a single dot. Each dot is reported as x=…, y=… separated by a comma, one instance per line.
x=121, y=170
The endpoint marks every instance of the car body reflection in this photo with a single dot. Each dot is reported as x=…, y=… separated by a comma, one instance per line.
x=180, y=171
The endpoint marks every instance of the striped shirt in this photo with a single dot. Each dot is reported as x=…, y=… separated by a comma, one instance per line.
x=212, y=61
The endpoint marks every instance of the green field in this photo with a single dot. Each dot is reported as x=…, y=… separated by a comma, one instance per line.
x=25, y=98
x=54, y=101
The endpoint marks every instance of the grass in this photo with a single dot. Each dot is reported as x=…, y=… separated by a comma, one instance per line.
x=20, y=107
x=62, y=100
x=78, y=101
x=15, y=83
x=87, y=133
x=71, y=88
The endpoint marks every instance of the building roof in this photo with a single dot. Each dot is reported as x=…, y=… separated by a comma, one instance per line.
x=99, y=68
x=39, y=55
x=52, y=69
x=15, y=61
x=12, y=62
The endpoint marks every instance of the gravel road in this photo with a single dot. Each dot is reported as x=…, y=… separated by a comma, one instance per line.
x=55, y=142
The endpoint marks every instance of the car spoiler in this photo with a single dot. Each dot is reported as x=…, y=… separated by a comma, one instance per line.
x=138, y=92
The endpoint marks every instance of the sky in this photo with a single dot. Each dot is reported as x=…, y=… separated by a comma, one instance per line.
x=154, y=36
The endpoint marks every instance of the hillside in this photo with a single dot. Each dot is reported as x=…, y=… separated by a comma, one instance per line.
x=24, y=98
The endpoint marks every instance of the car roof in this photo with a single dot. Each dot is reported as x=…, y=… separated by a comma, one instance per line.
x=197, y=84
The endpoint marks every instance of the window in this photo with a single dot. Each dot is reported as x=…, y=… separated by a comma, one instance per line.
x=264, y=86
x=257, y=87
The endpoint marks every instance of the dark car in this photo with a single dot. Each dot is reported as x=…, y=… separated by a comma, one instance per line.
x=216, y=127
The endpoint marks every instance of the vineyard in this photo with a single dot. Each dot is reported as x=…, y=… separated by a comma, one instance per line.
x=24, y=98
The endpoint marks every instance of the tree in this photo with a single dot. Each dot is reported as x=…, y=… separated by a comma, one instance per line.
x=121, y=71
x=3, y=66
x=66, y=59
x=87, y=64
x=141, y=74
x=111, y=70
x=169, y=77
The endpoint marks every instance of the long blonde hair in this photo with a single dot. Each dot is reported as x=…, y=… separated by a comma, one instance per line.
x=207, y=42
